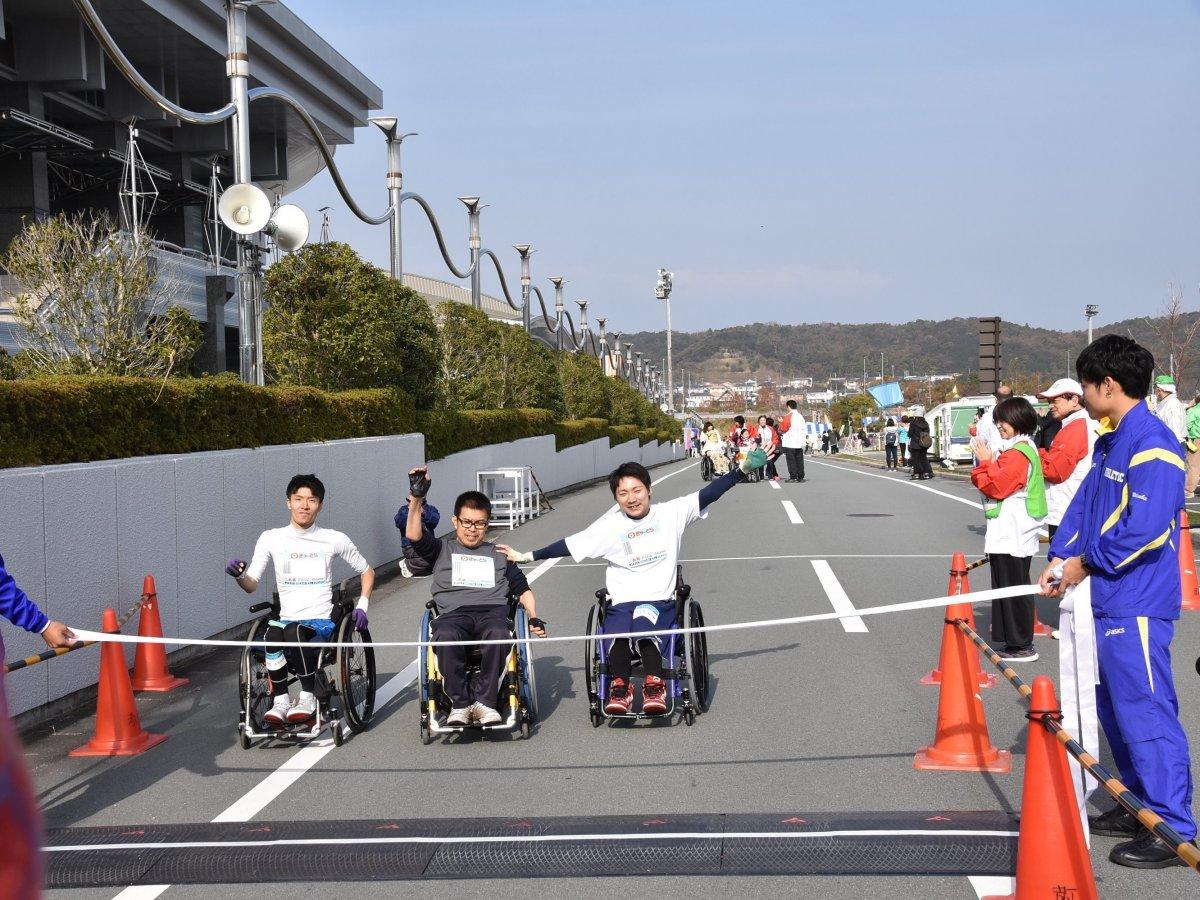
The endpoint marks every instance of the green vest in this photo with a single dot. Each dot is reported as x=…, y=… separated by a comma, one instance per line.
x=1035, y=490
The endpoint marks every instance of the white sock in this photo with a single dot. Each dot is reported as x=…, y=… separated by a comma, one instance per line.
x=305, y=695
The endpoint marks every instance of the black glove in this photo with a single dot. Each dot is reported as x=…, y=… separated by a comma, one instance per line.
x=418, y=484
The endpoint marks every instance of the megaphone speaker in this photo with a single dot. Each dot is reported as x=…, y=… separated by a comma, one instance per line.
x=244, y=208
x=289, y=225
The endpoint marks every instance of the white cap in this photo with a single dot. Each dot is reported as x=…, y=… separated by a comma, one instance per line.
x=1060, y=387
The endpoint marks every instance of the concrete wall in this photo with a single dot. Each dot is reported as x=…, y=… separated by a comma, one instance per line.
x=79, y=538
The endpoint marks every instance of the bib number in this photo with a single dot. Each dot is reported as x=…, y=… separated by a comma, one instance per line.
x=472, y=571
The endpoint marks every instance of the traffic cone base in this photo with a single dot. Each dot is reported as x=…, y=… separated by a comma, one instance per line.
x=150, y=672
x=118, y=730
x=934, y=677
x=931, y=759
x=1039, y=629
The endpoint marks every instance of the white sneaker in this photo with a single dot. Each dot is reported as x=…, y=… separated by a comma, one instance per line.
x=278, y=713
x=303, y=709
x=485, y=715
x=459, y=716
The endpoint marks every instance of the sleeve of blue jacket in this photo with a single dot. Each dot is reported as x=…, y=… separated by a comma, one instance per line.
x=16, y=606
x=1146, y=516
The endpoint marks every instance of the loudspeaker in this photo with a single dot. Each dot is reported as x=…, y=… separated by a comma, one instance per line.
x=289, y=226
x=244, y=208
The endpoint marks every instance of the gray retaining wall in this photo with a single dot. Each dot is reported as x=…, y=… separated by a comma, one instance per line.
x=79, y=538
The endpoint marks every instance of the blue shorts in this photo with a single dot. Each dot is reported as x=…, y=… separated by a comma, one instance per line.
x=323, y=627
x=624, y=618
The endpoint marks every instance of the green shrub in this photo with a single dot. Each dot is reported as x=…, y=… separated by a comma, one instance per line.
x=452, y=431
x=619, y=434
x=578, y=431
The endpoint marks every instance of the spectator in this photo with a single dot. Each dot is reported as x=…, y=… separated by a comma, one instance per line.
x=688, y=436
x=1015, y=505
x=768, y=439
x=1170, y=409
x=1120, y=533
x=985, y=428
x=890, y=438
x=1193, y=449
x=825, y=443
x=920, y=441
x=1067, y=458
x=902, y=439
x=1048, y=427
x=794, y=436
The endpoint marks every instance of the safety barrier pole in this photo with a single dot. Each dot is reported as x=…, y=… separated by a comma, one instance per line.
x=56, y=652
x=1186, y=850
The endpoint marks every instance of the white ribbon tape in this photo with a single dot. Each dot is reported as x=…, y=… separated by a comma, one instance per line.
x=1020, y=590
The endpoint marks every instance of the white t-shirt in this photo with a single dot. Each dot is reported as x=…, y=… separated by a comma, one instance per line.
x=304, y=568
x=641, y=553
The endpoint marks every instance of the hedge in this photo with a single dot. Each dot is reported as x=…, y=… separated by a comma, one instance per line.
x=578, y=431
x=451, y=431
x=67, y=419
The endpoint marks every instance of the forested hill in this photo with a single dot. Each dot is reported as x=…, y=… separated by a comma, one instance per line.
x=819, y=350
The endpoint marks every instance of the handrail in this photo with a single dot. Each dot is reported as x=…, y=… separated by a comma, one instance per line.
x=437, y=233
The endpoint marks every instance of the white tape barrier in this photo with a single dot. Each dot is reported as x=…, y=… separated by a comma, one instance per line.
x=1020, y=590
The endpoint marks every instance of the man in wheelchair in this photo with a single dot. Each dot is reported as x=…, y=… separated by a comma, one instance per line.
x=471, y=583
x=641, y=543
x=303, y=556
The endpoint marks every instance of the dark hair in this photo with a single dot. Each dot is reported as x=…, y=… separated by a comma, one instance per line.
x=791, y=404
x=891, y=421
x=770, y=421
x=1017, y=412
x=312, y=482
x=904, y=419
x=473, y=500
x=708, y=424
x=628, y=470
x=1123, y=359
x=741, y=420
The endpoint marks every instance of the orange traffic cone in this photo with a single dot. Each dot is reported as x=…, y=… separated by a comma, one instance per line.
x=961, y=740
x=150, y=671
x=118, y=730
x=961, y=584
x=1187, y=565
x=1040, y=629
x=1052, y=858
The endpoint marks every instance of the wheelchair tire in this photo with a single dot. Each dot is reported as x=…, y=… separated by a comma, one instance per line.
x=591, y=662
x=697, y=657
x=528, y=685
x=354, y=674
x=254, y=697
x=339, y=736
x=244, y=739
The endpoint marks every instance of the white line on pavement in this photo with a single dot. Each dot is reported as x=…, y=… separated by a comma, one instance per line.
x=586, y=565
x=992, y=885
x=142, y=892
x=793, y=514
x=909, y=483
x=837, y=597
x=775, y=485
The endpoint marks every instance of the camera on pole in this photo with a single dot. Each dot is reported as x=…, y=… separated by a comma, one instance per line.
x=662, y=290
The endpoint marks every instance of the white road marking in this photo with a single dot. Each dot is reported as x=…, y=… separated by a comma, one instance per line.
x=993, y=885
x=542, y=838
x=575, y=565
x=909, y=483
x=837, y=597
x=142, y=892
x=793, y=514
x=775, y=485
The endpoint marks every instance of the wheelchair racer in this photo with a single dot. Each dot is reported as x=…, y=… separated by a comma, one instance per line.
x=641, y=543
x=303, y=556
x=471, y=585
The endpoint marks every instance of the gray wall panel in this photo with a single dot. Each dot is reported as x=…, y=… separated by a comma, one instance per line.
x=146, y=513
x=243, y=515
x=23, y=546
x=200, y=539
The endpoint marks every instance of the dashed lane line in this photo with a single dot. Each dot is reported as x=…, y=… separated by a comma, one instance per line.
x=837, y=597
x=793, y=514
x=904, y=481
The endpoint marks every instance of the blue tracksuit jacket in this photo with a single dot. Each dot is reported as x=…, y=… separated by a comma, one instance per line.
x=16, y=606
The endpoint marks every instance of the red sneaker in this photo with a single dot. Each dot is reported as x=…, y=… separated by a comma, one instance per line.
x=654, y=696
x=620, y=698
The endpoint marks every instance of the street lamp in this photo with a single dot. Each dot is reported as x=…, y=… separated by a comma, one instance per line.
x=557, y=281
x=662, y=290
x=629, y=363
x=525, y=252
x=1091, y=311
x=395, y=184
x=600, y=320
x=583, y=324
x=473, y=208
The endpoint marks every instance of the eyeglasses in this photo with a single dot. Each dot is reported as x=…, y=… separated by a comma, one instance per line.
x=471, y=525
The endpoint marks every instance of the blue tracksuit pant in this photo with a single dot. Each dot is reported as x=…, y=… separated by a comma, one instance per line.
x=1139, y=713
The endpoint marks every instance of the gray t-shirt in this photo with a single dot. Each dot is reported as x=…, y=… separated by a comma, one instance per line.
x=462, y=576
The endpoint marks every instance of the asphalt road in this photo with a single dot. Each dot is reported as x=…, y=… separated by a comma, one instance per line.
x=810, y=719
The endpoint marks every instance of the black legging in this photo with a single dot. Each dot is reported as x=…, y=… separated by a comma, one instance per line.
x=889, y=455
x=301, y=661
x=620, y=658
x=920, y=460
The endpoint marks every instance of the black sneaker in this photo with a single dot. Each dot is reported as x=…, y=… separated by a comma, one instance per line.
x=1028, y=655
x=1146, y=852
x=1117, y=822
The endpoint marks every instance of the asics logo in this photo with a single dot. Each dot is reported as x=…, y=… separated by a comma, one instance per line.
x=1114, y=631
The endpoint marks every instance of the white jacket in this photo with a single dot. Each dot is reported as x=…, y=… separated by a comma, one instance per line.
x=797, y=434
x=1014, y=531
x=1174, y=415
x=1058, y=496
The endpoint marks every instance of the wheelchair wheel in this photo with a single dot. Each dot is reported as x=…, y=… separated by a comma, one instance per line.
x=254, y=683
x=355, y=675
x=528, y=686
x=591, y=669
x=423, y=659
x=696, y=650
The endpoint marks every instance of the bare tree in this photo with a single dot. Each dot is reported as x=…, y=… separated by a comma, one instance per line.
x=1176, y=331
x=96, y=301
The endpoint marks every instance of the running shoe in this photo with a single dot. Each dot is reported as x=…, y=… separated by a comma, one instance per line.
x=303, y=709
x=1029, y=655
x=484, y=715
x=278, y=713
x=620, y=698
x=654, y=696
x=459, y=716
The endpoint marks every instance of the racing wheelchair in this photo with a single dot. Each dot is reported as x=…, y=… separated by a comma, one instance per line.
x=345, y=681
x=516, y=692
x=685, y=660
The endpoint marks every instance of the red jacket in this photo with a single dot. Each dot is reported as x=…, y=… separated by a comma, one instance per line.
x=1002, y=476
x=1069, y=446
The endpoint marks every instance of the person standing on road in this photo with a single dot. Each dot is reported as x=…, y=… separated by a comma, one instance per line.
x=902, y=440
x=890, y=438
x=985, y=428
x=1192, y=445
x=794, y=435
x=1068, y=457
x=1170, y=409
x=20, y=823
x=641, y=543
x=1015, y=505
x=768, y=437
x=921, y=440
x=1120, y=532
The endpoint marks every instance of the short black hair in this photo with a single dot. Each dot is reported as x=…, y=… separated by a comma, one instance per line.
x=708, y=424
x=1018, y=413
x=770, y=421
x=891, y=421
x=741, y=420
x=473, y=500
x=1123, y=359
x=312, y=482
x=628, y=470
x=791, y=404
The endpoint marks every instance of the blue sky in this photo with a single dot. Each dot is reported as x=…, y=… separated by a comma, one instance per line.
x=793, y=162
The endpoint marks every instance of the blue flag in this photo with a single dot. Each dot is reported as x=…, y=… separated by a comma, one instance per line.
x=887, y=394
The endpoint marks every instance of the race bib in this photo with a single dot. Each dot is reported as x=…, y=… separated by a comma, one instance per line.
x=305, y=568
x=472, y=571
x=643, y=546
